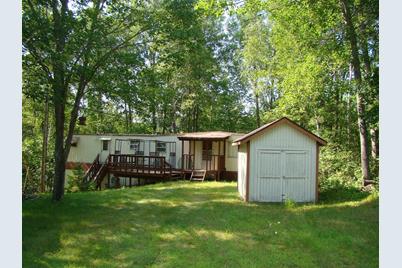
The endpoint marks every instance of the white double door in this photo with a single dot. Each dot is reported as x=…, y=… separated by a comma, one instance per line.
x=283, y=174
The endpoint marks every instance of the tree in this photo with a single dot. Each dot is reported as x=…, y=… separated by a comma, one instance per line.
x=257, y=56
x=166, y=66
x=315, y=44
x=355, y=60
x=71, y=42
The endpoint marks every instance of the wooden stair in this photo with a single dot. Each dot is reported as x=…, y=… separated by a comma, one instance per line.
x=198, y=175
x=134, y=166
x=96, y=172
x=100, y=175
x=93, y=169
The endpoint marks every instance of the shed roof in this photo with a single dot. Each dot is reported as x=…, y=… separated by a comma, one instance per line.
x=210, y=135
x=283, y=120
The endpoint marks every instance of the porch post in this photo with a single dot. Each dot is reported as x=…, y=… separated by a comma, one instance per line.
x=219, y=160
x=224, y=155
x=193, y=167
x=182, y=154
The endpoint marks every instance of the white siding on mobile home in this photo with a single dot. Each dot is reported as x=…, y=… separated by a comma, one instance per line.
x=231, y=153
x=89, y=146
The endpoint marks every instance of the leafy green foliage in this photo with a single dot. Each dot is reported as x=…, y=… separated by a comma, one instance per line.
x=309, y=59
x=202, y=65
x=32, y=129
x=76, y=182
x=289, y=203
x=339, y=168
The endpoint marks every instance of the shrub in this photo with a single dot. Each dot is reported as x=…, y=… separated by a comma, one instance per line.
x=76, y=182
x=289, y=203
x=339, y=168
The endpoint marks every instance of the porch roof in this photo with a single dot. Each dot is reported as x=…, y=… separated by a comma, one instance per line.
x=210, y=135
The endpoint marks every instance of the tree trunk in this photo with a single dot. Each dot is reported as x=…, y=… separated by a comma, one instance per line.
x=196, y=118
x=272, y=95
x=363, y=138
x=59, y=169
x=337, y=115
x=126, y=115
x=349, y=111
x=374, y=143
x=153, y=120
x=59, y=96
x=257, y=110
x=44, y=146
x=130, y=117
x=352, y=38
x=174, y=127
x=164, y=120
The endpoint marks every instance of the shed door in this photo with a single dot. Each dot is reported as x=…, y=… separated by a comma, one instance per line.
x=282, y=174
x=294, y=175
x=269, y=176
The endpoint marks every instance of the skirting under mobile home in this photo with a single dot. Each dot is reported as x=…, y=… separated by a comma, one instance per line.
x=278, y=161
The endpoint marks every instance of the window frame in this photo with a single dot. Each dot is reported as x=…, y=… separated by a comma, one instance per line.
x=134, y=143
x=158, y=147
x=207, y=150
x=103, y=145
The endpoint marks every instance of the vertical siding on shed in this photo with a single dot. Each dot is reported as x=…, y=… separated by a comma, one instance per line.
x=269, y=187
x=242, y=169
x=283, y=137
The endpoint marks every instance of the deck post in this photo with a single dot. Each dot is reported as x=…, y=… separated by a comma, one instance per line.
x=193, y=167
x=224, y=155
x=117, y=182
x=182, y=154
x=219, y=156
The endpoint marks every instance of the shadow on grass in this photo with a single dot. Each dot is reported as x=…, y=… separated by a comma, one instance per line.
x=341, y=194
x=186, y=225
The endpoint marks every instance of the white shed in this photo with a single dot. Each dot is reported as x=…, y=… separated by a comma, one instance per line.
x=278, y=161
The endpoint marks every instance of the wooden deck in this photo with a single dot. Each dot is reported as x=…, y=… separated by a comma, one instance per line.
x=151, y=168
x=131, y=166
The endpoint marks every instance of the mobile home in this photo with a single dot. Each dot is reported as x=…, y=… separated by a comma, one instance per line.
x=153, y=157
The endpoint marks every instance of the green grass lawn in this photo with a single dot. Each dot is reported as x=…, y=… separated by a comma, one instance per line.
x=182, y=224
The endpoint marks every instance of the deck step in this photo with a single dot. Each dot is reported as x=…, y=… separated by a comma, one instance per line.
x=198, y=175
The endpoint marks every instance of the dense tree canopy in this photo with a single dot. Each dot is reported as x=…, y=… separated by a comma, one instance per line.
x=174, y=66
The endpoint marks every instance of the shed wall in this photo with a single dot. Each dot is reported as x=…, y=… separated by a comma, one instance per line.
x=242, y=170
x=280, y=138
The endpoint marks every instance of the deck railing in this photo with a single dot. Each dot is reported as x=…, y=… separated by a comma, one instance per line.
x=139, y=164
x=188, y=161
x=93, y=170
x=213, y=163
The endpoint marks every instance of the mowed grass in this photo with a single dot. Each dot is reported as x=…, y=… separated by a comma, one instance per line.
x=182, y=224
